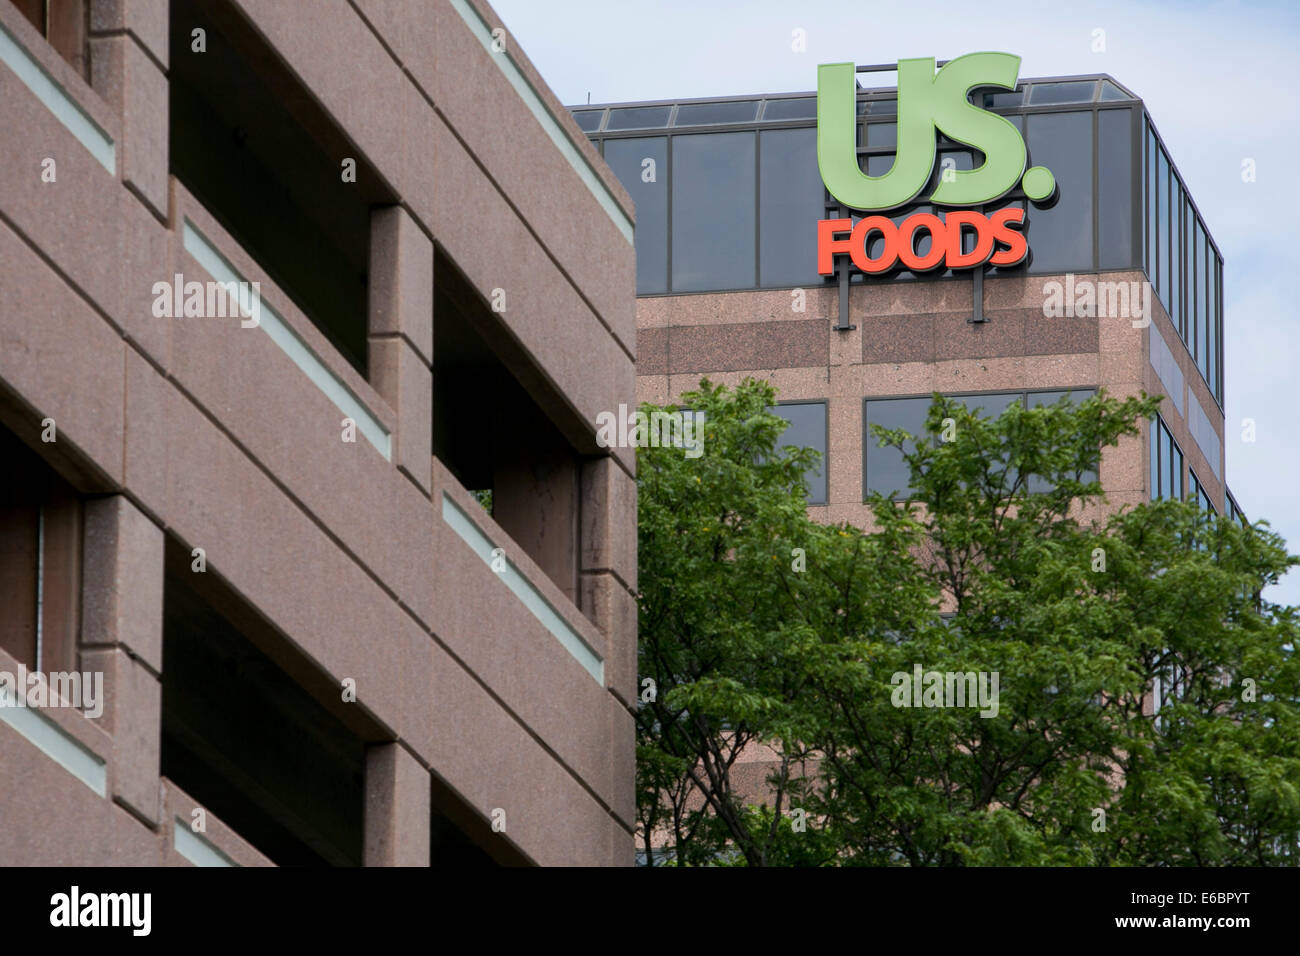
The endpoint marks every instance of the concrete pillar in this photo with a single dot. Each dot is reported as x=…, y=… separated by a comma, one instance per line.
x=397, y=812
x=608, y=566
x=128, y=60
x=401, y=335
x=121, y=637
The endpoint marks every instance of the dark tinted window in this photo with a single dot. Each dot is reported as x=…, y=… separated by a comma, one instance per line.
x=1189, y=272
x=1166, y=463
x=885, y=470
x=706, y=114
x=1176, y=255
x=1209, y=269
x=1008, y=98
x=990, y=407
x=1044, y=94
x=1162, y=224
x=1038, y=399
x=1115, y=189
x=803, y=108
x=1153, y=443
x=639, y=117
x=807, y=430
x=713, y=211
x=628, y=159
x=1060, y=238
x=589, y=120
x=882, y=134
x=1153, y=205
x=791, y=200
x=1198, y=493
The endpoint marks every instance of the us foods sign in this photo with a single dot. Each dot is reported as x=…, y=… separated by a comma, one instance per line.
x=927, y=101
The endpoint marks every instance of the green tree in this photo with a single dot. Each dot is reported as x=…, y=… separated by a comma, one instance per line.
x=750, y=646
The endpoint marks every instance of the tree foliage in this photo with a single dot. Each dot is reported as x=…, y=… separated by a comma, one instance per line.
x=767, y=634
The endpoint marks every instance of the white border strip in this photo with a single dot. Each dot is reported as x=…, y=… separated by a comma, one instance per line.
x=197, y=245
x=57, y=744
x=537, y=106
x=55, y=99
x=196, y=849
x=523, y=589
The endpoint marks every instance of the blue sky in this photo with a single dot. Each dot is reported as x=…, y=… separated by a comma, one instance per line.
x=1221, y=80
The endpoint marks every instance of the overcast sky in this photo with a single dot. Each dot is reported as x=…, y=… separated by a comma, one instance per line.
x=1219, y=79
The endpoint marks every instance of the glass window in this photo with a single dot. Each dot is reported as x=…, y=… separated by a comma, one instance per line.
x=882, y=134
x=1176, y=257
x=807, y=429
x=1173, y=468
x=641, y=165
x=884, y=107
x=886, y=471
x=639, y=117
x=990, y=406
x=1189, y=275
x=1196, y=314
x=1214, y=321
x=707, y=114
x=878, y=165
x=1153, y=443
x=955, y=159
x=713, y=209
x=1115, y=189
x=791, y=200
x=1038, y=484
x=884, y=468
x=1217, y=324
x=1166, y=463
x=994, y=101
x=1206, y=305
x=1042, y=94
x=1199, y=495
x=1111, y=92
x=1060, y=238
x=1153, y=205
x=588, y=120
x=1162, y=218
x=801, y=108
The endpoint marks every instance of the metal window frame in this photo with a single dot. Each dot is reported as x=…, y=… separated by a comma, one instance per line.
x=1023, y=393
x=759, y=126
x=1147, y=147
x=826, y=453
x=1158, y=476
x=1213, y=377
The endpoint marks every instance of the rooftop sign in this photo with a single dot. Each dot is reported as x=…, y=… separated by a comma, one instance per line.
x=927, y=101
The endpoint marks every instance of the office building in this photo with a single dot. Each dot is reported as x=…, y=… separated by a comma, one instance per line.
x=307, y=312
